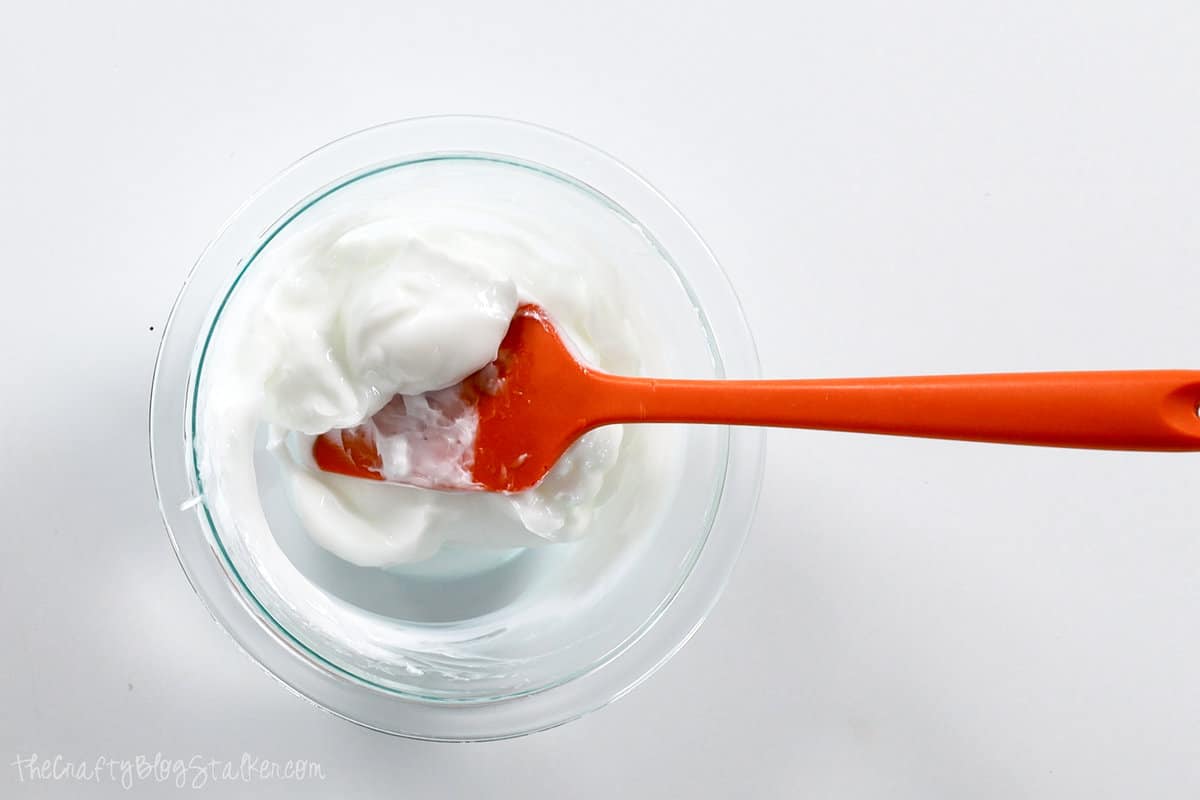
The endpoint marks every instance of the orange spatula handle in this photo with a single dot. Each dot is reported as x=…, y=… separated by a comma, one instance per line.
x=1146, y=410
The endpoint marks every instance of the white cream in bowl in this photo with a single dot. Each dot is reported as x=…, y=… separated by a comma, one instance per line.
x=375, y=303
x=407, y=285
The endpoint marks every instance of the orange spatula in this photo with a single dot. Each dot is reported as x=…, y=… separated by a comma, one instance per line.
x=536, y=399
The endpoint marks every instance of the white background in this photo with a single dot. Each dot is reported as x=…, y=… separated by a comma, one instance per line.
x=942, y=187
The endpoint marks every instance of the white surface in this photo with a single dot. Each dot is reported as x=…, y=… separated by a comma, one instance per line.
x=943, y=188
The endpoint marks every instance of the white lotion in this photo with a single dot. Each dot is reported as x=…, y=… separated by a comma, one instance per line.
x=362, y=309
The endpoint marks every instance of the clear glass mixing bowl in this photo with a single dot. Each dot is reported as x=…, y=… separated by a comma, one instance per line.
x=480, y=674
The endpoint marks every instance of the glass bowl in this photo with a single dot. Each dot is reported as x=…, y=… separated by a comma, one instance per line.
x=451, y=669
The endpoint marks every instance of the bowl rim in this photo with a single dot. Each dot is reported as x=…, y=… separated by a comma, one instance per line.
x=217, y=584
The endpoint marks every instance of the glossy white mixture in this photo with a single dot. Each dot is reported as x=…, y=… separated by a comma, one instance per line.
x=366, y=306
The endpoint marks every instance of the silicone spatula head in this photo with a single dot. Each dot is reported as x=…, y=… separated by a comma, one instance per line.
x=521, y=413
